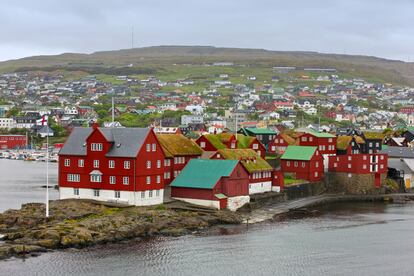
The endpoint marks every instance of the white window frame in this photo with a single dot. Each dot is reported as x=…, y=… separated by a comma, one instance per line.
x=148, y=147
x=158, y=164
x=202, y=144
x=158, y=179
x=154, y=147
x=148, y=180
x=127, y=165
x=96, y=178
x=76, y=191
x=117, y=194
x=125, y=180
x=96, y=146
x=112, y=180
x=148, y=164
x=81, y=163
x=150, y=193
x=96, y=164
x=111, y=164
x=67, y=162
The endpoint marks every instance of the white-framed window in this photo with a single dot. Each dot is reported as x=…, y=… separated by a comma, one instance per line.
x=370, y=144
x=143, y=194
x=158, y=164
x=304, y=139
x=148, y=147
x=96, y=178
x=67, y=163
x=158, y=179
x=157, y=193
x=296, y=164
x=381, y=166
x=117, y=194
x=273, y=148
x=303, y=164
x=167, y=175
x=329, y=140
x=364, y=157
x=316, y=174
x=167, y=162
x=364, y=167
x=112, y=179
x=288, y=163
x=148, y=164
x=76, y=191
x=310, y=139
x=202, y=145
x=349, y=166
x=127, y=165
x=81, y=163
x=255, y=146
x=377, y=144
x=382, y=157
x=125, y=180
x=154, y=147
x=148, y=179
x=95, y=192
x=111, y=164
x=335, y=165
x=96, y=164
x=317, y=164
x=73, y=177
x=349, y=158
x=96, y=146
x=150, y=193
x=175, y=173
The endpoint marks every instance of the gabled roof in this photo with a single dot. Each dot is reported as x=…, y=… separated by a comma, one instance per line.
x=244, y=141
x=288, y=139
x=255, y=131
x=299, y=153
x=248, y=157
x=218, y=140
x=398, y=152
x=178, y=145
x=204, y=174
x=126, y=142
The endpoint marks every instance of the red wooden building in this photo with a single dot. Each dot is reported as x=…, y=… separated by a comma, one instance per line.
x=178, y=150
x=13, y=141
x=112, y=164
x=325, y=142
x=280, y=143
x=304, y=162
x=260, y=172
x=217, y=184
x=213, y=142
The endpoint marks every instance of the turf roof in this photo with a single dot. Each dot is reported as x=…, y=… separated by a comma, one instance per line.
x=343, y=142
x=178, y=144
x=321, y=134
x=374, y=135
x=247, y=157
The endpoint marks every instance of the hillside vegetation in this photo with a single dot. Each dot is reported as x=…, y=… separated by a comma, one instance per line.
x=152, y=60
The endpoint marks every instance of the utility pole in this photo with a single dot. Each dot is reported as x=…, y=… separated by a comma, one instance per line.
x=113, y=111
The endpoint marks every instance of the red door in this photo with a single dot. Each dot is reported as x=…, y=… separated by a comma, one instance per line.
x=223, y=203
x=377, y=180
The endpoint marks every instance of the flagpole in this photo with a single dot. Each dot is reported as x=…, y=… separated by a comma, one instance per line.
x=47, y=170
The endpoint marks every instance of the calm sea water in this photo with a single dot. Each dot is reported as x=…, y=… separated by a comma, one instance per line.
x=21, y=182
x=342, y=239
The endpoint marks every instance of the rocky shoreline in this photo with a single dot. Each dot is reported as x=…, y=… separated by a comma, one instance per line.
x=82, y=223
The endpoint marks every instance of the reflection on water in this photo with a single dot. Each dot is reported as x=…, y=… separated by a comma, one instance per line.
x=21, y=182
x=342, y=239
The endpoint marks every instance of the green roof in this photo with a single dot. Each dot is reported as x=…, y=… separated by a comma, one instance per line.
x=244, y=141
x=255, y=130
x=321, y=134
x=372, y=135
x=203, y=174
x=216, y=140
x=298, y=153
x=249, y=159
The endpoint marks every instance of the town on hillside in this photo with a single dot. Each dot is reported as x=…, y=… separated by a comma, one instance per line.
x=216, y=137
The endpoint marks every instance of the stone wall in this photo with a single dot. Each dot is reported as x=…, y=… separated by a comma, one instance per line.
x=305, y=190
x=354, y=184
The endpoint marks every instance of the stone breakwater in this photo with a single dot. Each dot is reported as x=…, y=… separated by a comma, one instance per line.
x=81, y=223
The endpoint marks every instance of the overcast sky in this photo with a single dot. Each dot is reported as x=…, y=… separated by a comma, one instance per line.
x=381, y=28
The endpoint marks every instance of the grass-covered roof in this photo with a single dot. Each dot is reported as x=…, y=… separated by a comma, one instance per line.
x=343, y=142
x=178, y=145
x=249, y=159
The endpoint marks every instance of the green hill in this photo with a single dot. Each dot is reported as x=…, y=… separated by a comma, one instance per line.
x=152, y=59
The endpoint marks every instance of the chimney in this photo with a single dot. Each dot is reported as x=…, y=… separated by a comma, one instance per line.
x=95, y=125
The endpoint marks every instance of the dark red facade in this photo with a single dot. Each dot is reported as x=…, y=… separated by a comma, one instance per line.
x=174, y=165
x=311, y=170
x=137, y=172
x=326, y=145
x=13, y=141
x=237, y=184
x=359, y=163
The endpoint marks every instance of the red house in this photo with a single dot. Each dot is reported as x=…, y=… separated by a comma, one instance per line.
x=325, y=142
x=217, y=184
x=304, y=162
x=112, y=164
x=213, y=142
x=260, y=172
x=249, y=142
x=360, y=164
x=178, y=150
x=280, y=143
x=13, y=142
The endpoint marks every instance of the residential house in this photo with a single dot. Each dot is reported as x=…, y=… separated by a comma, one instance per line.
x=112, y=164
x=214, y=142
x=264, y=135
x=260, y=172
x=280, y=143
x=12, y=141
x=178, y=151
x=305, y=162
x=217, y=184
x=373, y=141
